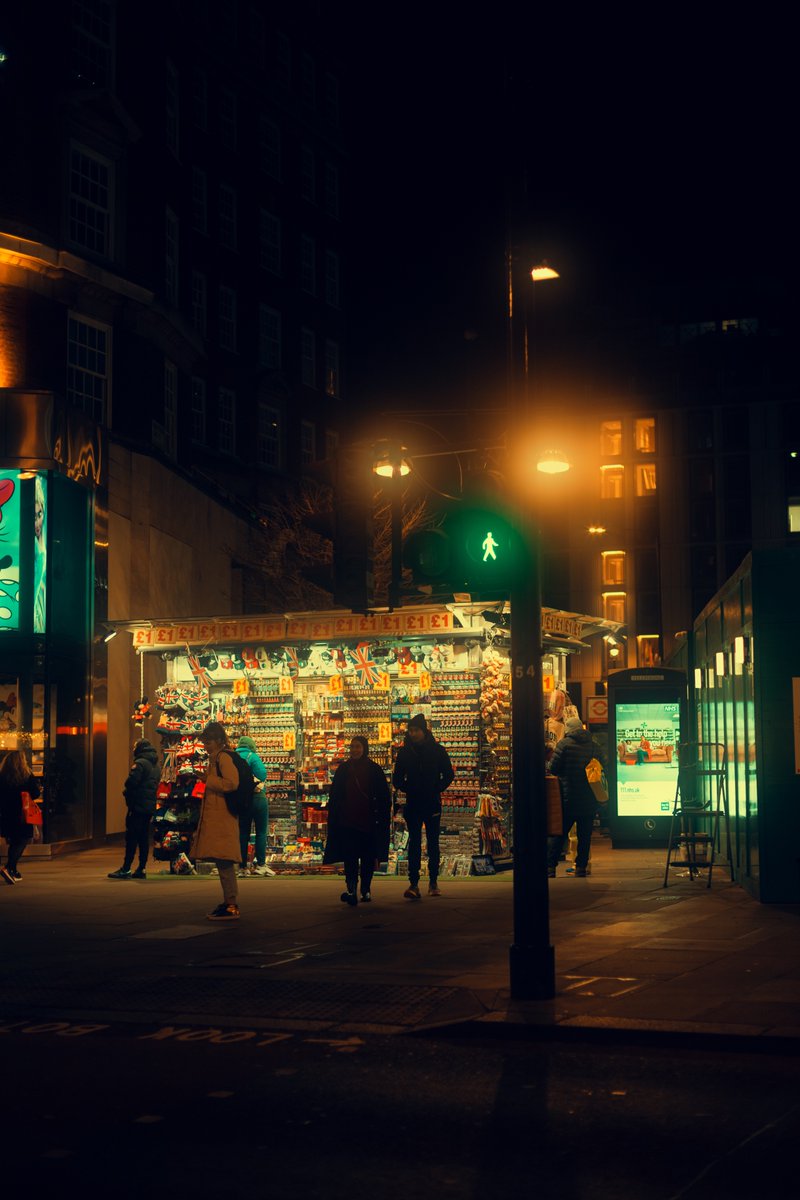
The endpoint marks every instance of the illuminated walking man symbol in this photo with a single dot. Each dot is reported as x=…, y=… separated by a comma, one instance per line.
x=489, y=545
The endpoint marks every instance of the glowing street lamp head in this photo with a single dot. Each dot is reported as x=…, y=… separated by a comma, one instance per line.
x=389, y=459
x=553, y=462
x=543, y=271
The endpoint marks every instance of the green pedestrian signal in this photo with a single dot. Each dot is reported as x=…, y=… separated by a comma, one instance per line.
x=475, y=550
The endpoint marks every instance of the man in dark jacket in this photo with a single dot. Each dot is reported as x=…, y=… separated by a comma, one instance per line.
x=423, y=770
x=140, y=796
x=569, y=761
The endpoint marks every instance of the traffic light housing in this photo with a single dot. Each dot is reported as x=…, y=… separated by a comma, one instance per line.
x=477, y=550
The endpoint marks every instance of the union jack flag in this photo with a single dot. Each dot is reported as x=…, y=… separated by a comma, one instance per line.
x=201, y=675
x=366, y=669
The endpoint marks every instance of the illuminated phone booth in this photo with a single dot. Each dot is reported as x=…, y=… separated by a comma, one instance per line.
x=646, y=724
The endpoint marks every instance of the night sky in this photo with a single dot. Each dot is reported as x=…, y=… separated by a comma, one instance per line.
x=653, y=151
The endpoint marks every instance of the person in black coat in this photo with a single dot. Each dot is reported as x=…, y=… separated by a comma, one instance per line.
x=140, y=796
x=358, y=820
x=15, y=778
x=423, y=770
x=569, y=762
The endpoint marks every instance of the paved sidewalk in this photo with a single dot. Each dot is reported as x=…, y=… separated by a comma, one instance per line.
x=632, y=958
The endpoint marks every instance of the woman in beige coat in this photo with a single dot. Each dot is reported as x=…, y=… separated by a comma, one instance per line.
x=217, y=834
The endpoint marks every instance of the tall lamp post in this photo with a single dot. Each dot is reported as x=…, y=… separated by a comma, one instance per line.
x=531, y=956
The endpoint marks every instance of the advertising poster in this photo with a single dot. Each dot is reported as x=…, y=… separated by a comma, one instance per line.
x=9, y=550
x=647, y=762
x=39, y=553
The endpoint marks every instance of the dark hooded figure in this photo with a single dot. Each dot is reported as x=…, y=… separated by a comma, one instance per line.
x=139, y=791
x=358, y=820
x=569, y=762
x=423, y=770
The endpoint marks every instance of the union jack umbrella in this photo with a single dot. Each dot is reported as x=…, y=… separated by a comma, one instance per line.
x=292, y=664
x=201, y=675
x=366, y=669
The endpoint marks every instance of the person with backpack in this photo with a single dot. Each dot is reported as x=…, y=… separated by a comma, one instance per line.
x=217, y=833
x=139, y=791
x=259, y=810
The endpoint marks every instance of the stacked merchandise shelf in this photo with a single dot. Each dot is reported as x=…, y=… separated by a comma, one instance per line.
x=184, y=712
x=367, y=712
x=456, y=723
x=323, y=748
x=272, y=728
x=495, y=795
x=408, y=700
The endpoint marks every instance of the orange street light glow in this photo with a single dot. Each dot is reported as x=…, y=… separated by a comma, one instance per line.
x=542, y=272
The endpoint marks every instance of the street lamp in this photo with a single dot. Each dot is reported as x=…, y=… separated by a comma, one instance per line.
x=531, y=955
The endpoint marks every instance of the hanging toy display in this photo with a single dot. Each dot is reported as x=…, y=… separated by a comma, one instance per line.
x=141, y=711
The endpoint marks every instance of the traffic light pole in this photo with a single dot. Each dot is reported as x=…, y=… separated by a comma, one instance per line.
x=531, y=957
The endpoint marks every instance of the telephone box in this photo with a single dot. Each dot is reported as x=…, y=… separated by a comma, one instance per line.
x=646, y=724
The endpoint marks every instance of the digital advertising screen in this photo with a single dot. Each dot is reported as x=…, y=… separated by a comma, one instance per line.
x=647, y=737
x=9, y=549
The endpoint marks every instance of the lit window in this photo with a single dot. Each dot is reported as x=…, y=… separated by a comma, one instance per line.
x=199, y=302
x=269, y=337
x=171, y=257
x=227, y=421
x=269, y=437
x=612, y=481
x=645, y=479
x=645, y=435
x=227, y=217
x=613, y=566
x=308, y=357
x=794, y=514
x=172, y=112
x=89, y=367
x=269, y=242
x=227, y=319
x=648, y=650
x=308, y=443
x=614, y=606
x=90, y=201
x=198, y=410
x=331, y=368
x=611, y=438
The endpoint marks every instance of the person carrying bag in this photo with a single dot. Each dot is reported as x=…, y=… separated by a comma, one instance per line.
x=20, y=815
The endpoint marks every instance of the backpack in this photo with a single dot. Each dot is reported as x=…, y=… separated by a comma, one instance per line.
x=240, y=802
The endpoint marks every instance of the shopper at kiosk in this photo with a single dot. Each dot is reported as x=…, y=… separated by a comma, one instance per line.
x=423, y=771
x=569, y=763
x=139, y=791
x=259, y=814
x=358, y=820
x=217, y=834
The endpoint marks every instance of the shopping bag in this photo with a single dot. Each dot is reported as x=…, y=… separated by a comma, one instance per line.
x=31, y=813
x=569, y=710
x=597, y=780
